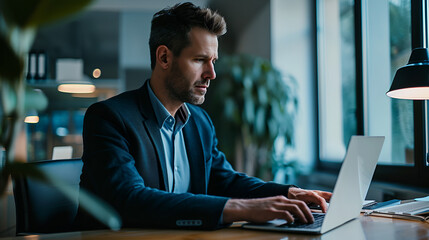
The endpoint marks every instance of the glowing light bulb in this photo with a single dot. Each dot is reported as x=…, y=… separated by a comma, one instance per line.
x=96, y=73
x=31, y=119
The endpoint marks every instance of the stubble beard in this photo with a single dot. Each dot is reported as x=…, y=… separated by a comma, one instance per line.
x=179, y=89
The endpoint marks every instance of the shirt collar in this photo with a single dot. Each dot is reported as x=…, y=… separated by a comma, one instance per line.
x=162, y=114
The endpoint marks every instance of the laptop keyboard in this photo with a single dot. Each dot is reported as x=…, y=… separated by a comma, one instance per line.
x=318, y=220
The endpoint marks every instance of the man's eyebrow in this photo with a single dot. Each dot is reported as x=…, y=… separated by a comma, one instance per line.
x=205, y=56
x=202, y=56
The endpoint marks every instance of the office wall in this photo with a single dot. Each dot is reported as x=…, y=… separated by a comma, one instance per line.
x=255, y=37
x=248, y=25
x=134, y=54
x=134, y=34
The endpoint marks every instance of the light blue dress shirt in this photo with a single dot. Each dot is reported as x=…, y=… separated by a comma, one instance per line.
x=177, y=163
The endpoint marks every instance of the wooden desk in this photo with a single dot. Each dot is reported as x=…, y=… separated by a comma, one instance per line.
x=369, y=228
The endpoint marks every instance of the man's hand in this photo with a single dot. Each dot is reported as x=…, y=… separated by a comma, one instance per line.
x=310, y=196
x=278, y=207
x=265, y=209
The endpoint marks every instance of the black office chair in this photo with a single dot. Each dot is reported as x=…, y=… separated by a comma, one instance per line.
x=42, y=208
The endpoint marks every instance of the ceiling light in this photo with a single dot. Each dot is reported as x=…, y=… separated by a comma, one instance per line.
x=32, y=117
x=76, y=87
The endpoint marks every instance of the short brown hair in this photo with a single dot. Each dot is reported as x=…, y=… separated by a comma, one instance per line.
x=171, y=27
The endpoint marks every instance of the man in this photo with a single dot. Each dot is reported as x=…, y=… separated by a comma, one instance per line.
x=152, y=154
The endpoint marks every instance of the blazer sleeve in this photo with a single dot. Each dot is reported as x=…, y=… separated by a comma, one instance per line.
x=109, y=171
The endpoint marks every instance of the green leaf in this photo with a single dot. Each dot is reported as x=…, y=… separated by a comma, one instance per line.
x=11, y=65
x=91, y=203
x=260, y=121
x=249, y=110
x=262, y=95
x=21, y=40
x=229, y=109
x=273, y=127
x=34, y=13
x=247, y=82
x=4, y=180
x=35, y=99
x=237, y=73
x=8, y=98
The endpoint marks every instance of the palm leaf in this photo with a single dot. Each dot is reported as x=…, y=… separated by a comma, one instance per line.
x=34, y=13
x=11, y=65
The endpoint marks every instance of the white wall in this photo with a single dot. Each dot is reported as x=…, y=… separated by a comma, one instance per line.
x=134, y=39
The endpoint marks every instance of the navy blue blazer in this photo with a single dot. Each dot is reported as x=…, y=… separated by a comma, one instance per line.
x=125, y=165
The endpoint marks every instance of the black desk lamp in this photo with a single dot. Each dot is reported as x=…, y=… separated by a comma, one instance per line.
x=412, y=80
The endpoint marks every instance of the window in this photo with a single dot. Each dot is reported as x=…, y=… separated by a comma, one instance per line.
x=361, y=44
x=400, y=49
x=293, y=53
x=337, y=77
x=387, y=47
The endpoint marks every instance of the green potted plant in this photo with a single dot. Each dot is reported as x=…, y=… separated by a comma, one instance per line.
x=252, y=104
x=19, y=21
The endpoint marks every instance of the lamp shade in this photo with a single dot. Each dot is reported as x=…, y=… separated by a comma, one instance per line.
x=412, y=80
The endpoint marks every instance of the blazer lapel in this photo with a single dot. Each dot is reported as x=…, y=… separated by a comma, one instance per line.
x=149, y=121
x=196, y=158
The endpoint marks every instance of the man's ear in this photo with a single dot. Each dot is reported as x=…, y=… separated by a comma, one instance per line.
x=163, y=56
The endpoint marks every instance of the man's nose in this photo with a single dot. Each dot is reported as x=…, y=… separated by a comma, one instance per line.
x=209, y=72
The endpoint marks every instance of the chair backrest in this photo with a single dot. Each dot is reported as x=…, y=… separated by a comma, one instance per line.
x=42, y=208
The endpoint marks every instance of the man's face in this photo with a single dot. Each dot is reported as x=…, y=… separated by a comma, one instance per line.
x=192, y=71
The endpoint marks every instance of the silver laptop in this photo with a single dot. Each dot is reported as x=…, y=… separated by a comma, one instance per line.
x=349, y=193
